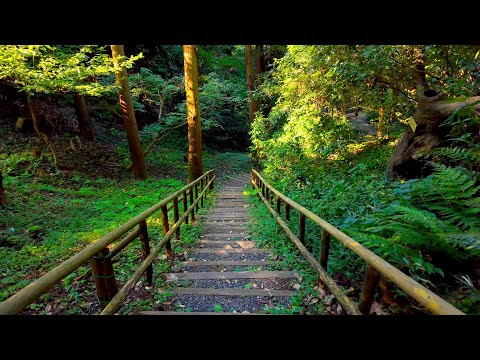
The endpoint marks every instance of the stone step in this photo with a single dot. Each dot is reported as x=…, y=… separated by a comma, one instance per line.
x=227, y=251
x=213, y=236
x=196, y=313
x=229, y=292
x=230, y=275
x=243, y=244
x=227, y=263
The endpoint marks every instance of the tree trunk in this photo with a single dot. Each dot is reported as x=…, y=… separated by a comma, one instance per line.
x=380, y=123
x=38, y=129
x=195, y=165
x=2, y=191
x=124, y=97
x=259, y=70
x=82, y=117
x=407, y=159
x=252, y=104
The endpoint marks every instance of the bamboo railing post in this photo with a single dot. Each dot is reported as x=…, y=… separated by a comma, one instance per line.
x=368, y=289
x=191, y=202
x=267, y=194
x=185, y=205
x=166, y=227
x=201, y=190
x=287, y=211
x=278, y=205
x=196, y=196
x=146, y=250
x=325, y=248
x=211, y=185
x=176, y=217
x=104, y=276
x=301, y=228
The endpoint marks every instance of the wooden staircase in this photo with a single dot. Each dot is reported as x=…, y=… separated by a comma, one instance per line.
x=225, y=273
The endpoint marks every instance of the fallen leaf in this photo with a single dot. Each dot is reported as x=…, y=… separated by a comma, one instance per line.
x=297, y=286
x=328, y=300
x=254, y=286
x=339, y=309
x=165, y=302
x=181, y=306
x=48, y=308
x=314, y=301
x=163, y=257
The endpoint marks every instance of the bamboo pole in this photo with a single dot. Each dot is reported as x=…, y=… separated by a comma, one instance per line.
x=287, y=211
x=166, y=228
x=368, y=290
x=146, y=250
x=104, y=276
x=301, y=228
x=325, y=249
x=175, y=217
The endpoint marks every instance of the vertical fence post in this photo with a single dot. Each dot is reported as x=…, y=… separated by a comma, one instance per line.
x=104, y=276
x=325, y=249
x=301, y=228
x=191, y=202
x=368, y=289
x=196, y=195
x=211, y=177
x=166, y=227
x=146, y=250
x=267, y=194
x=185, y=205
x=201, y=189
x=278, y=205
x=176, y=216
x=287, y=211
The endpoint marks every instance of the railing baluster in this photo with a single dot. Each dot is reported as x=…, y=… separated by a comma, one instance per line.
x=287, y=211
x=176, y=216
x=278, y=205
x=196, y=196
x=210, y=178
x=368, y=290
x=166, y=227
x=301, y=228
x=104, y=276
x=146, y=250
x=201, y=189
x=191, y=202
x=325, y=248
x=185, y=205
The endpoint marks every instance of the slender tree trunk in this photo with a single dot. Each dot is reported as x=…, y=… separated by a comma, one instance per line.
x=252, y=104
x=38, y=129
x=82, y=117
x=2, y=191
x=380, y=122
x=124, y=97
x=195, y=165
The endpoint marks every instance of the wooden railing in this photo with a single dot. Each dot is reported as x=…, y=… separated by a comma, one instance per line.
x=428, y=299
x=100, y=256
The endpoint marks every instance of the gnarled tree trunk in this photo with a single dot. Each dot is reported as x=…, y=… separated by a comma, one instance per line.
x=195, y=161
x=432, y=110
x=82, y=117
x=125, y=99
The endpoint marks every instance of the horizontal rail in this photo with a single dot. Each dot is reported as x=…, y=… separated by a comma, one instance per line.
x=427, y=298
x=124, y=243
x=34, y=290
x=346, y=303
x=122, y=294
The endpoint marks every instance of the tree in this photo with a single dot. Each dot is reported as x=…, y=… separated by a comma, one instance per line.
x=125, y=100
x=252, y=104
x=86, y=131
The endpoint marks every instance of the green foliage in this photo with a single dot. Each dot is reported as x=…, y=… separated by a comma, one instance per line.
x=53, y=69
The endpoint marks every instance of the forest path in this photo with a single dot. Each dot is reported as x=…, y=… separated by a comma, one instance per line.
x=225, y=272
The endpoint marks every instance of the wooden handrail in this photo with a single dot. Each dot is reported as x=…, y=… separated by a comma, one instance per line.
x=427, y=298
x=34, y=290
